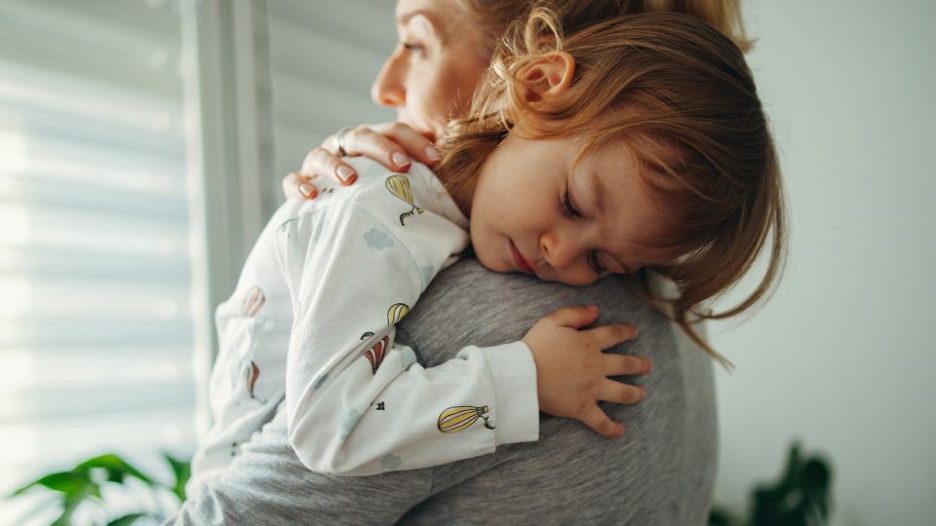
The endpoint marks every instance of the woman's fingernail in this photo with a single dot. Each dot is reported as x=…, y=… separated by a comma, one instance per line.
x=648, y=366
x=400, y=159
x=308, y=190
x=346, y=175
x=432, y=153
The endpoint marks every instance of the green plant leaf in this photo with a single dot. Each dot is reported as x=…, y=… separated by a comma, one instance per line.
x=116, y=467
x=800, y=497
x=720, y=516
x=74, y=499
x=182, y=470
x=62, y=481
x=126, y=520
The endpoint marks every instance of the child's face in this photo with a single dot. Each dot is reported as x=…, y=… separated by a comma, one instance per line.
x=519, y=222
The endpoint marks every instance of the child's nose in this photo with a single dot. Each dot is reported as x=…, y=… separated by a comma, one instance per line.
x=559, y=251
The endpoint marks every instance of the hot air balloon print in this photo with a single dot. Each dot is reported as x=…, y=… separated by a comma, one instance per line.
x=375, y=354
x=253, y=374
x=253, y=302
x=461, y=417
x=399, y=186
x=396, y=312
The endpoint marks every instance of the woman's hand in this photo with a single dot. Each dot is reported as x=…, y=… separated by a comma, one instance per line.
x=572, y=371
x=393, y=145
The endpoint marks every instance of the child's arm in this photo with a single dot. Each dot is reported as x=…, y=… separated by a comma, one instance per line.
x=355, y=402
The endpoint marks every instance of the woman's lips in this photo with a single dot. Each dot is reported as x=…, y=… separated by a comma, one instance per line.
x=518, y=259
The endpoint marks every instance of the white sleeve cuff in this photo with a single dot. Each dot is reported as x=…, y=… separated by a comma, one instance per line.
x=513, y=373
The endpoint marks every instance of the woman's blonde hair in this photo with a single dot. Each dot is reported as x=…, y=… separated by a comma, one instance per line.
x=680, y=96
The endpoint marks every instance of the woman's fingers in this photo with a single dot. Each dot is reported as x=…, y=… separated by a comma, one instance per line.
x=364, y=141
x=596, y=419
x=393, y=145
x=321, y=162
x=625, y=364
x=413, y=143
x=296, y=185
x=621, y=393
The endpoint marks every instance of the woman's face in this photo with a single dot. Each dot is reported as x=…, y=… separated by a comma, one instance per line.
x=436, y=66
x=538, y=211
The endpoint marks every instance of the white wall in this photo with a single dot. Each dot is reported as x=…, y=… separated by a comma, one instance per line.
x=843, y=356
x=323, y=57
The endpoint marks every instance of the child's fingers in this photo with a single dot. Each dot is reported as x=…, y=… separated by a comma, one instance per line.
x=611, y=335
x=596, y=419
x=575, y=317
x=625, y=364
x=621, y=393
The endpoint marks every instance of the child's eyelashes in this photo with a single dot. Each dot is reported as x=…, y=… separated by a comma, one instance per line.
x=568, y=207
x=573, y=213
x=593, y=261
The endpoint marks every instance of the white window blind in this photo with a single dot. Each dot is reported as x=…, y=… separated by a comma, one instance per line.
x=133, y=157
x=324, y=56
x=97, y=327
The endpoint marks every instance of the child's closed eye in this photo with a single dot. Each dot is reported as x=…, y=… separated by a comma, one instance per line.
x=567, y=206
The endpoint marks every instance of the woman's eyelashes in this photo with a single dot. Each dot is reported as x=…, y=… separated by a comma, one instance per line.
x=413, y=47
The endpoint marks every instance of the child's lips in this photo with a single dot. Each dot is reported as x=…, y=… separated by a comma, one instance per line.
x=519, y=260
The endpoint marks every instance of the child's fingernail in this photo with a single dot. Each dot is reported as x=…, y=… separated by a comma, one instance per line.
x=432, y=153
x=346, y=175
x=400, y=159
x=648, y=366
x=308, y=190
x=643, y=393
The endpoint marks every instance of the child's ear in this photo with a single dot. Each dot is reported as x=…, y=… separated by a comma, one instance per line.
x=547, y=76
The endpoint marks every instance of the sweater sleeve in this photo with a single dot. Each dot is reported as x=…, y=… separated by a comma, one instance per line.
x=357, y=403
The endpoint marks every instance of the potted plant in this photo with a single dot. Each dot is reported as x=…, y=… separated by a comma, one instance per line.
x=93, y=487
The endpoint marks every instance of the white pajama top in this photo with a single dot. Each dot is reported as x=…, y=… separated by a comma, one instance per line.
x=312, y=321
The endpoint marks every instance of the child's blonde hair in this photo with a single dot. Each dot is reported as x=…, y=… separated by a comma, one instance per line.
x=680, y=95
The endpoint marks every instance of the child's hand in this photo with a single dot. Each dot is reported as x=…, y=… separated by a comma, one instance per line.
x=572, y=371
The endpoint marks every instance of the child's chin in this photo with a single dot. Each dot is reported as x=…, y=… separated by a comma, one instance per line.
x=492, y=264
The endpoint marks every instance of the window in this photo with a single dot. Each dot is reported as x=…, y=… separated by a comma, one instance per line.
x=97, y=326
x=142, y=144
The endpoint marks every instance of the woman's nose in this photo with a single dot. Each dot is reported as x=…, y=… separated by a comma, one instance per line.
x=387, y=89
